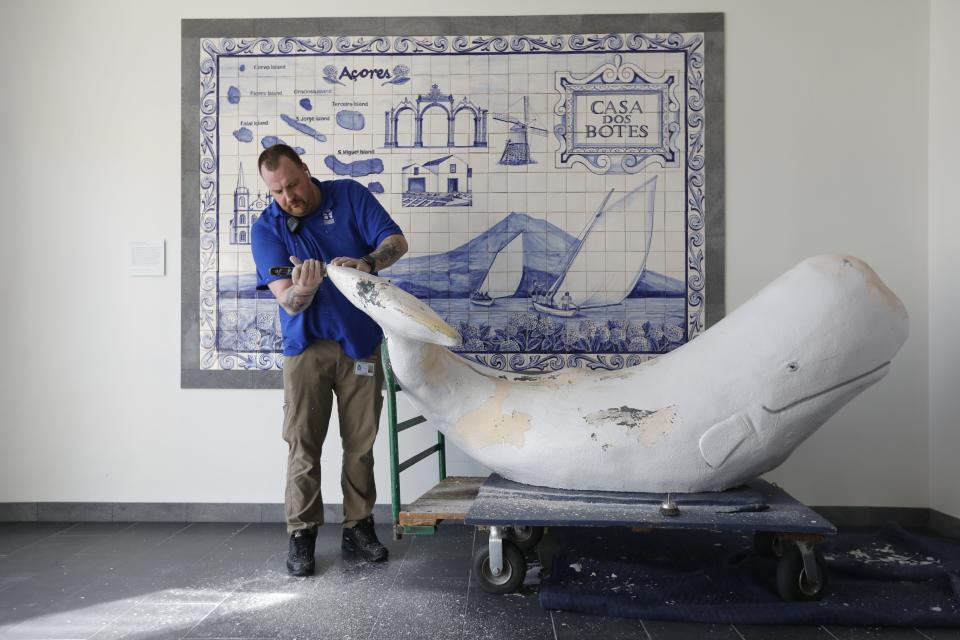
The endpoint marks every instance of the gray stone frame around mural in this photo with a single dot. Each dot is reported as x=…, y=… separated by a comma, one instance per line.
x=711, y=24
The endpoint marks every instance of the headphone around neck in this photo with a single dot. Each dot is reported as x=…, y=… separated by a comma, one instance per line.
x=294, y=224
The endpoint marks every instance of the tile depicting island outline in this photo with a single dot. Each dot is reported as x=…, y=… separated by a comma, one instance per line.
x=551, y=187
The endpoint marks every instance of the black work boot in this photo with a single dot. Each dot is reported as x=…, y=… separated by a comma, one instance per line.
x=362, y=540
x=300, y=556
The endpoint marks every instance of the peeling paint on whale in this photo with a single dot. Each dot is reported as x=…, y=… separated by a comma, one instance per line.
x=490, y=424
x=649, y=426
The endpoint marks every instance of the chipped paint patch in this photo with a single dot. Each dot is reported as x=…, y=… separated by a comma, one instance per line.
x=488, y=425
x=649, y=426
x=624, y=416
x=603, y=445
x=567, y=379
x=369, y=293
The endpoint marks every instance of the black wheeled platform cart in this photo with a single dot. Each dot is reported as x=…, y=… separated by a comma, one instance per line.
x=517, y=514
x=781, y=526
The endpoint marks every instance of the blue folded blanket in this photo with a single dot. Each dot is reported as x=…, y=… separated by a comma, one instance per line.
x=888, y=577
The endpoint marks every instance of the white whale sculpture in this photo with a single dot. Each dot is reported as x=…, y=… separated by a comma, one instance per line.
x=720, y=410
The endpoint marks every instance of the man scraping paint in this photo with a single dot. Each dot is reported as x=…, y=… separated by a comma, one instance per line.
x=329, y=346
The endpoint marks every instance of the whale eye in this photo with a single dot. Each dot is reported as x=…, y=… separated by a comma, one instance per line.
x=792, y=366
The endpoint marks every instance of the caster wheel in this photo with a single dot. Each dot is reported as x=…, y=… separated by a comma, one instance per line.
x=792, y=581
x=768, y=544
x=524, y=537
x=511, y=576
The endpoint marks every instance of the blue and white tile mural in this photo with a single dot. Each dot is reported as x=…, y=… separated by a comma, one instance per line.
x=551, y=187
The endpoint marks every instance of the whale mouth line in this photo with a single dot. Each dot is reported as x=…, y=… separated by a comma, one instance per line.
x=828, y=390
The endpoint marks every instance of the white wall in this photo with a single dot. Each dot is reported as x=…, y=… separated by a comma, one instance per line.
x=944, y=232
x=826, y=133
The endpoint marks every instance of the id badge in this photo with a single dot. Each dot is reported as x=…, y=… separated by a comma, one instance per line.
x=364, y=367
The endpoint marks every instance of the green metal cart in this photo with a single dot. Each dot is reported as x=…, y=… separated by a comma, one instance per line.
x=449, y=500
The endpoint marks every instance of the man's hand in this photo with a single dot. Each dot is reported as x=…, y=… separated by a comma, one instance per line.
x=307, y=275
x=389, y=251
x=296, y=294
x=353, y=263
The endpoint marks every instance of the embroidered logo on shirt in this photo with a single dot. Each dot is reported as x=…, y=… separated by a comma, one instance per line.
x=327, y=217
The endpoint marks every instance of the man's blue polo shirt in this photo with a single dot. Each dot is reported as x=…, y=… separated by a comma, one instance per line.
x=349, y=223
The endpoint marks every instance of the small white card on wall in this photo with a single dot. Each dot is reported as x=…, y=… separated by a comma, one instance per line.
x=147, y=257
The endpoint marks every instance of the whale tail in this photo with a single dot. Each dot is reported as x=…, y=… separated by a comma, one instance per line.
x=395, y=310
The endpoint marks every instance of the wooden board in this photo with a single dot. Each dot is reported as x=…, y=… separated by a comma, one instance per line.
x=448, y=500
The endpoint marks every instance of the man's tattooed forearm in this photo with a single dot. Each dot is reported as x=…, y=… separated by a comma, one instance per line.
x=295, y=302
x=387, y=253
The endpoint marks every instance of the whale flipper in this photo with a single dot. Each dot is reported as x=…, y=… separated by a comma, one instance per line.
x=722, y=439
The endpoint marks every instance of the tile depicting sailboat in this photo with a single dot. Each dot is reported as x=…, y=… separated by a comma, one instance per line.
x=551, y=187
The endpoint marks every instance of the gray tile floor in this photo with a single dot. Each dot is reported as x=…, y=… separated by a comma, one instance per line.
x=212, y=580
